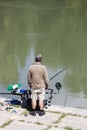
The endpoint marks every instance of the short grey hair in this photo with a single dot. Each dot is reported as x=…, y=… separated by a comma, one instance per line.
x=38, y=58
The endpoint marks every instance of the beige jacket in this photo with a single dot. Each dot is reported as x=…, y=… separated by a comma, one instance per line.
x=37, y=76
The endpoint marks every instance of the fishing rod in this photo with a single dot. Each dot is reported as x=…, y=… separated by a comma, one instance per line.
x=57, y=74
x=58, y=85
x=19, y=94
x=11, y=93
x=66, y=99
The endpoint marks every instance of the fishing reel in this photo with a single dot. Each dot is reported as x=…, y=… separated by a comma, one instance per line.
x=58, y=86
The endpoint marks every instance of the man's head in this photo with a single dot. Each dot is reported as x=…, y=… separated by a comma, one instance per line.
x=38, y=58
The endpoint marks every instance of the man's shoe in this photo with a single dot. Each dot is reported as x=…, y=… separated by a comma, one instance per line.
x=42, y=112
x=33, y=113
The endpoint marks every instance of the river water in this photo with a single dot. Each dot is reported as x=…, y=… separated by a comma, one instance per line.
x=57, y=30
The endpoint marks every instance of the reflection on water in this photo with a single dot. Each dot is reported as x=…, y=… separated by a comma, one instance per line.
x=56, y=29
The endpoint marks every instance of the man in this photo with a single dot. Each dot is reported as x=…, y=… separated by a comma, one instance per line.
x=38, y=82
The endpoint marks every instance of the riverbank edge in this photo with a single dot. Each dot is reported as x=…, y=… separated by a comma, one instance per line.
x=57, y=108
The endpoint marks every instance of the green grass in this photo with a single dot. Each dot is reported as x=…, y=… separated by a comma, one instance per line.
x=85, y=116
x=56, y=112
x=21, y=120
x=38, y=123
x=69, y=128
x=25, y=112
x=74, y=115
x=48, y=127
x=59, y=120
x=6, y=124
x=17, y=106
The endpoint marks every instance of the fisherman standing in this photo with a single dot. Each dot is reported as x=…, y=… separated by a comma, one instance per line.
x=38, y=81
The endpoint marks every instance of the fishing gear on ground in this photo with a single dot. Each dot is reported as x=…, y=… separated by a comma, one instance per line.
x=26, y=95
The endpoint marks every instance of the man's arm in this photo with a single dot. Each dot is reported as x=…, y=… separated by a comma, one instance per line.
x=46, y=79
x=29, y=79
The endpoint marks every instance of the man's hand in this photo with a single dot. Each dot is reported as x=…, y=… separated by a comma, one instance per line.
x=46, y=87
x=29, y=85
